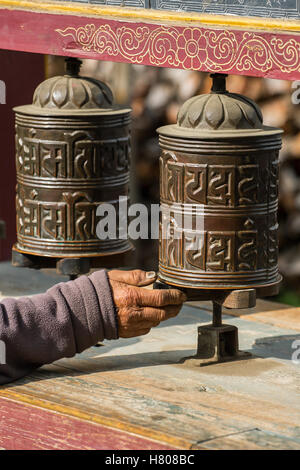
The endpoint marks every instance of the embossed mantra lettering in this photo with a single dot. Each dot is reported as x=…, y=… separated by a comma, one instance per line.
x=203, y=189
x=79, y=157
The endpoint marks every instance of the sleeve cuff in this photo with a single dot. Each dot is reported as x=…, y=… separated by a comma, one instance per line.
x=107, y=307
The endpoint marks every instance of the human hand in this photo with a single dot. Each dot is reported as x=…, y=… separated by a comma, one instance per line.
x=140, y=309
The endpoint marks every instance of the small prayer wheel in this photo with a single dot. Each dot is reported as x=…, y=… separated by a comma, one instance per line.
x=72, y=155
x=219, y=194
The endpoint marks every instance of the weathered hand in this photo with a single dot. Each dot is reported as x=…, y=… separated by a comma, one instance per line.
x=141, y=309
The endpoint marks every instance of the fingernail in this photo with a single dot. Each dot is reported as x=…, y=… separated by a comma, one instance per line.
x=150, y=274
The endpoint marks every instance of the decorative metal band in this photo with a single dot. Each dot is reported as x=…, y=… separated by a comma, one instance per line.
x=190, y=47
x=184, y=279
x=106, y=183
x=90, y=122
x=89, y=248
x=192, y=209
x=220, y=146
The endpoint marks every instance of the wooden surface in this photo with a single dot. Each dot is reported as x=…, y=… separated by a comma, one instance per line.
x=56, y=431
x=137, y=387
x=215, y=43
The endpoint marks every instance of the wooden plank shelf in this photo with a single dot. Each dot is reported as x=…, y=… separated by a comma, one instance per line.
x=134, y=393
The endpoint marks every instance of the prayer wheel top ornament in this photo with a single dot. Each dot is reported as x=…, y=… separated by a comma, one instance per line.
x=219, y=194
x=72, y=154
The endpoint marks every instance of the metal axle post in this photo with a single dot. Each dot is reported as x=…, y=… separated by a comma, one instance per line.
x=217, y=314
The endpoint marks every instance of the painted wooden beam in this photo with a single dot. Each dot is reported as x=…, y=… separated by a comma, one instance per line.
x=25, y=427
x=267, y=48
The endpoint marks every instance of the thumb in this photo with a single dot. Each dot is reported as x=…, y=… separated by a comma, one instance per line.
x=136, y=277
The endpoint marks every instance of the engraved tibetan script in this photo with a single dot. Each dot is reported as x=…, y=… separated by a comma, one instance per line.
x=218, y=185
x=220, y=251
x=74, y=218
x=77, y=156
x=224, y=251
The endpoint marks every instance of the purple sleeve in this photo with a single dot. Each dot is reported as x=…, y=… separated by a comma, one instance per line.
x=68, y=318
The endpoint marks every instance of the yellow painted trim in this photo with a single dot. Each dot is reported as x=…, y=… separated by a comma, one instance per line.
x=141, y=14
x=95, y=418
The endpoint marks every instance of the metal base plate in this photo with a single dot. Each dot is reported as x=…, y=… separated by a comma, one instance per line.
x=216, y=344
x=196, y=361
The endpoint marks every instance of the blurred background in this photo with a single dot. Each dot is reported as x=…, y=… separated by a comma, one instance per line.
x=155, y=95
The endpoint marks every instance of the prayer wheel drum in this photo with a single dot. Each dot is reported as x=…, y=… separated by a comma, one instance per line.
x=72, y=154
x=219, y=194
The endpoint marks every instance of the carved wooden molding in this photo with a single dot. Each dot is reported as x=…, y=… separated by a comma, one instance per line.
x=208, y=45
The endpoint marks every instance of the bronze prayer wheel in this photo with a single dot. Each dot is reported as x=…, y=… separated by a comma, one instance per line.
x=72, y=154
x=219, y=194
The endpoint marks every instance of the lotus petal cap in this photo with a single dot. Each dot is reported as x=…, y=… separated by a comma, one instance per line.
x=71, y=94
x=218, y=113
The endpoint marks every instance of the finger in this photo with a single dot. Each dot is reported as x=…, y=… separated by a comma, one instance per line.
x=136, y=277
x=144, y=324
x=159, y=297
x=130, y=333
x=155, y=315
x=145, y=331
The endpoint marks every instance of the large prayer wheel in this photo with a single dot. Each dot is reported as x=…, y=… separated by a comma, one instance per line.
x=72, y=155
x=219, y=194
